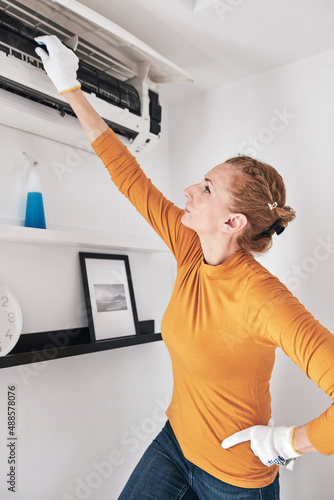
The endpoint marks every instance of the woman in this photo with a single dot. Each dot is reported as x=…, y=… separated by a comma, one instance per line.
x=226, y=316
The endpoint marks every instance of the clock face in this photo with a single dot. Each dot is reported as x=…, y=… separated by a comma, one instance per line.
x=10, y=320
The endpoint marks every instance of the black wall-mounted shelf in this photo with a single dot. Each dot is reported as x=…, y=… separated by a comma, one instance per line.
x=46, y=346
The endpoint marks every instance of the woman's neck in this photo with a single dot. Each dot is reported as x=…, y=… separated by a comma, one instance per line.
x=216, y=253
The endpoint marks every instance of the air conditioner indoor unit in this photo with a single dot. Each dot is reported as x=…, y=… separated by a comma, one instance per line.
x=119, y=74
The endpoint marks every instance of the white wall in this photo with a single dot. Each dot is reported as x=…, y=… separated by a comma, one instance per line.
x=76, y=413
x=208, y=130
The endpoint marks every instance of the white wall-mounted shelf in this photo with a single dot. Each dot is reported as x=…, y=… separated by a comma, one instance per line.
x=82, y=238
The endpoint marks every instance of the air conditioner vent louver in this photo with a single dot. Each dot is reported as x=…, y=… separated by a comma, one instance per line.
x=63, y=108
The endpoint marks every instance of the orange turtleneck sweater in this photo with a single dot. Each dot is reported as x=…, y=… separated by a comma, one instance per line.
x=221, y=327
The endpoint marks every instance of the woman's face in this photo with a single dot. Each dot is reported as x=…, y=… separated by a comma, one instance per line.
x=207, y=208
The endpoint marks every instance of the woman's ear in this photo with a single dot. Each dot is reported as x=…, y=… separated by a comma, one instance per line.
x=235, y=223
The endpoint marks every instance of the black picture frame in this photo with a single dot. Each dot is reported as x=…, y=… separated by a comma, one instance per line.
x=109, y=296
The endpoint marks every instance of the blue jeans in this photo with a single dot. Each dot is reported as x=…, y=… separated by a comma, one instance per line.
x=163, y=473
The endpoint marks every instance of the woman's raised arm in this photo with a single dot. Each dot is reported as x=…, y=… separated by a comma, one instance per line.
x=91, y=121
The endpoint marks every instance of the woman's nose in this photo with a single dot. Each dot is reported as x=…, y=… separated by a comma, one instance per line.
x=188, y=192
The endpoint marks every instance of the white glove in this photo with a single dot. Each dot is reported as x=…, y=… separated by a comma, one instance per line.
x=60, y=63
x=273, y=445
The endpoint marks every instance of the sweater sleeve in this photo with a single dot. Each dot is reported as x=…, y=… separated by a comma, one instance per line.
x=161, y=214
x=284, y=322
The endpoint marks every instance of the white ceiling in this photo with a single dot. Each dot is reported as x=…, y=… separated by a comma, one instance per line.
x=224, y=40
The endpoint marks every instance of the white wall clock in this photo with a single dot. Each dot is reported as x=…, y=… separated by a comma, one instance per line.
x=10, y=320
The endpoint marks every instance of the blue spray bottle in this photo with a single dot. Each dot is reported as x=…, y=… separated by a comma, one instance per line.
x=34, y=209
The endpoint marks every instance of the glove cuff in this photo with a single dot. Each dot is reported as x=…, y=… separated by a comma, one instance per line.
x=69, y=90
x=283, y=442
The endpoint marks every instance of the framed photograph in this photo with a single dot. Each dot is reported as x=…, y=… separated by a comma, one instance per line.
x=110, y=301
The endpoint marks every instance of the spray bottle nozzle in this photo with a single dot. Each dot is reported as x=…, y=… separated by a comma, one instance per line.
x=29, y=159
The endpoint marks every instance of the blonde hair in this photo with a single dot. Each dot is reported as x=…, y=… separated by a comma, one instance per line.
x=254, y=188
